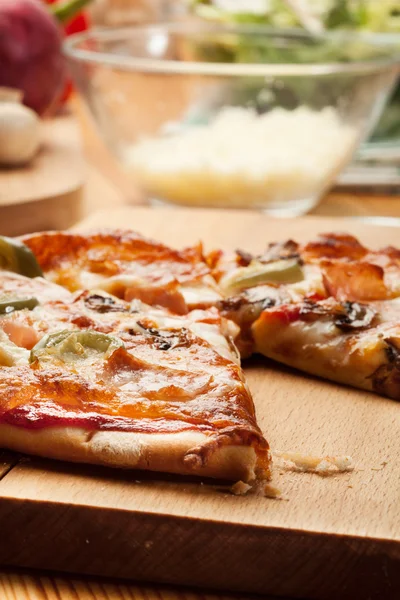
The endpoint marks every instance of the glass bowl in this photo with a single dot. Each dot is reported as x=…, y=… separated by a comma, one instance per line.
x=237, y=117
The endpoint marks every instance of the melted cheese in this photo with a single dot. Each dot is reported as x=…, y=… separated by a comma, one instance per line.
x=311, y=284
x=94, y=281
x=209, y=332
x=200, y=295
x=10, y=353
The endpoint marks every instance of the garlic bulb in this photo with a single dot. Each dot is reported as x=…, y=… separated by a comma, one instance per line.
x=19, y=134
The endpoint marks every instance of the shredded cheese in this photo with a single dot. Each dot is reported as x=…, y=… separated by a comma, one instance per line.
x=242, y=159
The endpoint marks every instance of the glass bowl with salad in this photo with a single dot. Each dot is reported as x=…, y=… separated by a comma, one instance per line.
x=233, y=116
x=317, y=16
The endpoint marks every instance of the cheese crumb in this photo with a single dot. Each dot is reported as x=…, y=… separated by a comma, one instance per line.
x=271, y=491
x=322, y=465
x=240, y=488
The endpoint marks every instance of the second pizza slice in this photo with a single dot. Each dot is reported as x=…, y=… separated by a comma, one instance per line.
x=329, y=307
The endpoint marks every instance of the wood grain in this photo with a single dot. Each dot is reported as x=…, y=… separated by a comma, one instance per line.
x=19, y=585
x=7, y=461
x=331, y=537
x=47, y=193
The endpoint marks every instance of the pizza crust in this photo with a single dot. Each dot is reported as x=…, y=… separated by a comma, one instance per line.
x=150, y=451
x=359, y=359
x=318, y=349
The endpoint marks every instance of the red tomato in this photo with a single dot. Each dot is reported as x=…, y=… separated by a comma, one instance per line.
x=78, y=23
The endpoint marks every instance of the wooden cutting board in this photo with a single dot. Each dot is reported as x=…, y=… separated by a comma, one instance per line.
x=330, y=537
x=47, y=193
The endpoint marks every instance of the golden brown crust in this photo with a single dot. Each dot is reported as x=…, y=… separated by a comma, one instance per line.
x=153, y=452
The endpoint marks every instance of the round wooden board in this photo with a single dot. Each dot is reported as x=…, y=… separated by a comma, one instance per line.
x=47, y=193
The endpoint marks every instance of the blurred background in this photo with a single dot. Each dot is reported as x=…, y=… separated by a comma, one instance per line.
x=315, y=15
x=285, y=106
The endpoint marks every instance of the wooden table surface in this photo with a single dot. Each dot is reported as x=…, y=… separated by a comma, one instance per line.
x=108, y=187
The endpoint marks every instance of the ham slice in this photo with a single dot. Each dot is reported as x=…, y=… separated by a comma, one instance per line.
x=334, y=246
x=354, y=281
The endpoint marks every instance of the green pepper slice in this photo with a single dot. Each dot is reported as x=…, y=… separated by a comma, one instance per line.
x=16, y=257
x=9, y=304
x=256, y=273
x=72, y=346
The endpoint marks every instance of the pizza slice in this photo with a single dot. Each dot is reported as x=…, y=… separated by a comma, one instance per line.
x=333, y=266
x=128, y=266
x=347, y=342
x=329, y=307
x=93, y=378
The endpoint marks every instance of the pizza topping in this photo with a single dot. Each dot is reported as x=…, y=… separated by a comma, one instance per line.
x=245, y=309
x=354, y=316
x=13, y=284
x=280, y=251
x=243, y=258
x=354, y=281
x=201, y=296
x=166, y=293
x=256, y=273
x=102, y=303
x=165, y=339
x=346, y=316
x=334, y=246
x=236, y=303
x=16, y=257
x=10, y=353
x=70, y=346
x=9, y=304
x=19, y=327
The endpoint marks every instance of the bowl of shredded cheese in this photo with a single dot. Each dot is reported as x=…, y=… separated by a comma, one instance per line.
x=233, y=117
